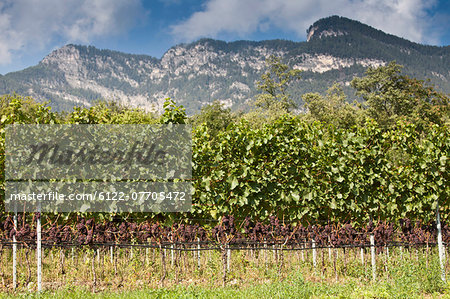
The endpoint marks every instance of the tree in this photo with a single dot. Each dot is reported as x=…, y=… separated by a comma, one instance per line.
x=15, y=109
x=274, y=84
x=390, y=95
x=172, y=113
x=24, y=110
x=333, y=108
x=110, y=112
x=214, y=116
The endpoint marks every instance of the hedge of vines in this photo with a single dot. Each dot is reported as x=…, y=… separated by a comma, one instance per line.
x=302, y=172
x=314, y=173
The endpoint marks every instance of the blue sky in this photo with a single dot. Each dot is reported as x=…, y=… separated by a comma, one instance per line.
x=30, y=29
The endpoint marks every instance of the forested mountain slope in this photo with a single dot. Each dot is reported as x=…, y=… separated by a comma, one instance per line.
x=194, y=74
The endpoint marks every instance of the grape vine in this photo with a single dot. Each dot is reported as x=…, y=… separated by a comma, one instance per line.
x=227, y=231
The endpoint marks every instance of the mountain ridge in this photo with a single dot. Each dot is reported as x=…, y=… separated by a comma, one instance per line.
x=343, y=23
x=200, y=72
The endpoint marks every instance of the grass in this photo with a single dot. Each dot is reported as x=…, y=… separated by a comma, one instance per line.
x=264, y=274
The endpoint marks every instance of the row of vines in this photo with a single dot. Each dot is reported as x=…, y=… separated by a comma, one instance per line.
x=244, y=234
x=313, y=173
x=301, y=173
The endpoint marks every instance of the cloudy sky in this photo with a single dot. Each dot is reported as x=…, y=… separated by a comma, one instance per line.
x=30, y=29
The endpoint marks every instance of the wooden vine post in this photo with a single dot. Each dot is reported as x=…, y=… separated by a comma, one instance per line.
x=362, y=255
x=198, y=253
x=228, y=257
x=372, y=252
x=313, y=245
x=224, y=254
x=440, y=244
x=38, y=250
x=15, y=252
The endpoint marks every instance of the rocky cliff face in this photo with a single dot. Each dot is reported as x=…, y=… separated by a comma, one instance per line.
x=198, y=73
x=314, y=32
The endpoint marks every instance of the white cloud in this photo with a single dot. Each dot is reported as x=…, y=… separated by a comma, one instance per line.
x=30, y=24
x=405, y=18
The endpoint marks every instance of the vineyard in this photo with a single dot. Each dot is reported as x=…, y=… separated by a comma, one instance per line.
x=116, y=242
x=288, y=186
x=90, y=253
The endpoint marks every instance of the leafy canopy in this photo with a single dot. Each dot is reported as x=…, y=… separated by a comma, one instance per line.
x=333, y=108
x=172, y=113
x=274, y=84
x=391, y=95
x=215, y=116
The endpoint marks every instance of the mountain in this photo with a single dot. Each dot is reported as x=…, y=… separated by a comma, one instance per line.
x=337, y=49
